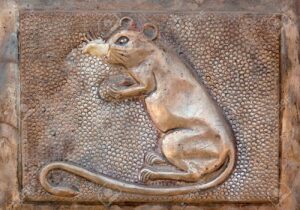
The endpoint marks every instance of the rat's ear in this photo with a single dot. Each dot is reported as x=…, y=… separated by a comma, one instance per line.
x=150, y=31
x=126, y=22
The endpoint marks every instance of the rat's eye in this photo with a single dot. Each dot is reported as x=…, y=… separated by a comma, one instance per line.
x=122, y=40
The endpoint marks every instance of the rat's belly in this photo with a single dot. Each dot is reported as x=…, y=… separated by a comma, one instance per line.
x=165, y=112
x=178, y=111
x=160, y=115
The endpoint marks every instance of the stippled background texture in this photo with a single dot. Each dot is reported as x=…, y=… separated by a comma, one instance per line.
x=63, y=118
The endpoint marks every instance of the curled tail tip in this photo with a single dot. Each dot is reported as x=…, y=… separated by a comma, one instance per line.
x=56, y=190
x=64, y=191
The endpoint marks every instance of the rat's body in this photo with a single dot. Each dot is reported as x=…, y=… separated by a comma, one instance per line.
x=195, y=137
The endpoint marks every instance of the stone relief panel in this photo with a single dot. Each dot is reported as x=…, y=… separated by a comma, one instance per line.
x=123, y=107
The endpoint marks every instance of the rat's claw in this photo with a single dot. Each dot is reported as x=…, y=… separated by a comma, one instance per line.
x=113, y=92
x=145, y=175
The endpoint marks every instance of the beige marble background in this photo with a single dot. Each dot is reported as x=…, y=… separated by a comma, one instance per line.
x=290, y=151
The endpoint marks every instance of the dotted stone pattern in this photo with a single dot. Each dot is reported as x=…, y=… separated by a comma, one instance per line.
x=64, y=118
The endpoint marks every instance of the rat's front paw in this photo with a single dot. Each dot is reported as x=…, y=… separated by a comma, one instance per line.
x=114, y=92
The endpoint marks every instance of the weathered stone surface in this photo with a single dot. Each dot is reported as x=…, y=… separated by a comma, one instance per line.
x=8, y=104
x=236, y=56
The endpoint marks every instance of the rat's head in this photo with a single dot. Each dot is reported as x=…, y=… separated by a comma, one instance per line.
x=128, y=47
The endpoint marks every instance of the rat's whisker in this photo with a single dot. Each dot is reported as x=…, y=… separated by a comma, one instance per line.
x=93, y=35
x=121, y=58
x=85, y=39
x=89, y=36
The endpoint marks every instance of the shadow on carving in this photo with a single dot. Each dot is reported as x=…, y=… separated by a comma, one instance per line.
x=8, y=138
x=8, y=168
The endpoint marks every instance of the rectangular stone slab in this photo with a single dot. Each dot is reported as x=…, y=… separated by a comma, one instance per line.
x=236, y=56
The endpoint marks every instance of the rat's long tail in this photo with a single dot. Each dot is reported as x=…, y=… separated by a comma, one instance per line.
x=127, y=187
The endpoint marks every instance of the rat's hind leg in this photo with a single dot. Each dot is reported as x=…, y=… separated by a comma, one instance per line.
x=152, y=158
x=192, y=151
x=154, y=174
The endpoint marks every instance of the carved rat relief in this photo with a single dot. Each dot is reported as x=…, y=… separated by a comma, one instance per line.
x=196, y=146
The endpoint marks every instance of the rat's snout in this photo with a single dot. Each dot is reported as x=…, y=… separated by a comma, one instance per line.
x=97, y=48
